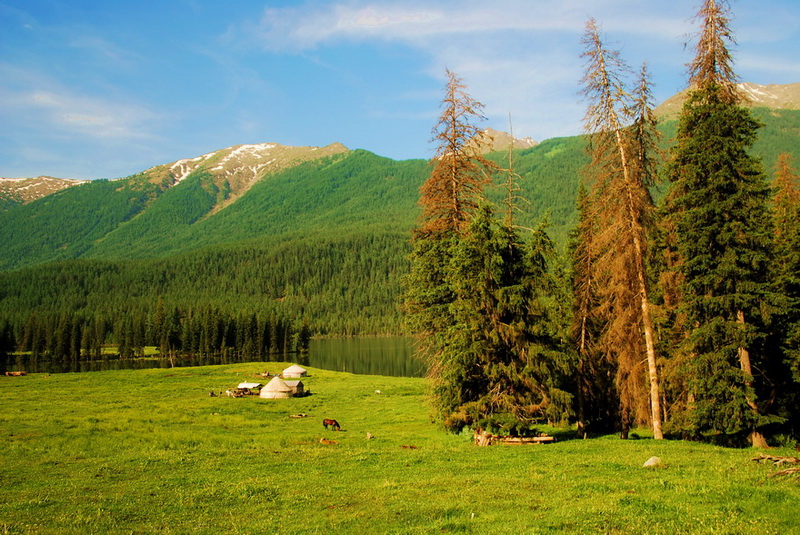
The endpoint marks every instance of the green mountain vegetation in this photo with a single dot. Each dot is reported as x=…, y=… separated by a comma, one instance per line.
x=323, y=242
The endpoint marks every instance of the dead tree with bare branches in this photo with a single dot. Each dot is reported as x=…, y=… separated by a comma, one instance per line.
x=622, y=138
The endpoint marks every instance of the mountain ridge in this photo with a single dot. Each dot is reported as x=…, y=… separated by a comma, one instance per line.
x=213, y=198
x=773, y=96
x=252, y=165
x=235, y=168
x=23, y=190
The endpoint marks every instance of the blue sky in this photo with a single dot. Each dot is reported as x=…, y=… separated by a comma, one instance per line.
x=108, y=88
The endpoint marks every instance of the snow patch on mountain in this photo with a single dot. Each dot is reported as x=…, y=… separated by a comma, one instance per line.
x=183, y=168
x=29, y=189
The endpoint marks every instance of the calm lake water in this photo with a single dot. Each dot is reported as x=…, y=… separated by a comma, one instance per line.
x=393, y=356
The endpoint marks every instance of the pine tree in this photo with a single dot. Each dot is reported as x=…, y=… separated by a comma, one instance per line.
x=448, y=198
x=723, y=232
x=158, y=331
x=622, y=140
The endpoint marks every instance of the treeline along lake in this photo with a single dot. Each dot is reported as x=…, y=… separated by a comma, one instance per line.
x=386, y=355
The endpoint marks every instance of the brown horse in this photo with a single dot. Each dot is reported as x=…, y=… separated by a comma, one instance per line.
x=332, y=424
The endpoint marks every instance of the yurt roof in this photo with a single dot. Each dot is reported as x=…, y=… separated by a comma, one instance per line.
x=294, y=368
x=277, y=385
x=293, y=382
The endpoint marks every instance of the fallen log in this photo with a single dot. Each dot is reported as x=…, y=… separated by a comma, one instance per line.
x=484, y=438
x=524, y=440
x=787, y=472
x=776, y=459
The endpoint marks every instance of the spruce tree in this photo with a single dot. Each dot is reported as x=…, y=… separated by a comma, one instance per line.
x=786, y=207
x=723, y=236
x=453, y=191
x=507, y=367
x=473, y=292
x=448, y=198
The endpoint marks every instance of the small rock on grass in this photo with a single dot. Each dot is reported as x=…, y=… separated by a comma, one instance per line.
x=653, y=462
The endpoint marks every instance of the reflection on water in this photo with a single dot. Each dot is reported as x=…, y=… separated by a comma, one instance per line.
x=393, y=356
x=48, y=366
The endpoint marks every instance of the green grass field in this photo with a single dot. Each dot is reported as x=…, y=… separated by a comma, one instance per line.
x=150, y=451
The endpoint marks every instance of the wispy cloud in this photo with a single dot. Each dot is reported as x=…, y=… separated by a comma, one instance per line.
x=770, y=69
x=304, y=27
x=511, y=53
x=108, y=54
x=35, y=101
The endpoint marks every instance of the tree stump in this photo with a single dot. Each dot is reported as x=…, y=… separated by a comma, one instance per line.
x=483, y=438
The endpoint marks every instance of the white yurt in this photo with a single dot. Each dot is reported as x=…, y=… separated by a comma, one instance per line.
x=294, y=371
x=276, y=389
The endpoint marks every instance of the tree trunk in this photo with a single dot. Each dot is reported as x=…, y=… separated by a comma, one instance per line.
x=757, y=440
x=581, y=431
x=647, y=323
x=652, y=370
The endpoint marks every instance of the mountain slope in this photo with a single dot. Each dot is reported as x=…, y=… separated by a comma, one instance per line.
x=773, y=96
x=24, y=190
x=226, y=197
x=66, y=224
x=117, y=217
x=351, y=190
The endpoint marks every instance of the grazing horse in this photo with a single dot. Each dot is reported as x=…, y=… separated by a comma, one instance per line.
x=332, y=424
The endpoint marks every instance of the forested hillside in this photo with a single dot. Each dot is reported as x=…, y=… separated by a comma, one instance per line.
x=324, y=242
x=68, y=223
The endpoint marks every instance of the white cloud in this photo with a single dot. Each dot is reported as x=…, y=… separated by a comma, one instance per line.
x=35, y=101
x=307, y=26
x=517, y=56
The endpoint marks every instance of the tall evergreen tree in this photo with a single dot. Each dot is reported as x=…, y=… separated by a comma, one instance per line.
x=448, y=198
x=622, y=140
x=501, y=363
x=723, y=232
x=472, y=292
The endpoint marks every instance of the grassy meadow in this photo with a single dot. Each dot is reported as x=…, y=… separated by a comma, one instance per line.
x=144, y=451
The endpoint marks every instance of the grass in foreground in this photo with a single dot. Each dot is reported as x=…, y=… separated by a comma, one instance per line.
x=150, y=451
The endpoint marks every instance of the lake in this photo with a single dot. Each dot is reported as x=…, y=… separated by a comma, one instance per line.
x=385, y=355
x=375, y=355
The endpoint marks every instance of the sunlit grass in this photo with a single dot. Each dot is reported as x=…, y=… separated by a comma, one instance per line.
x=150, y=451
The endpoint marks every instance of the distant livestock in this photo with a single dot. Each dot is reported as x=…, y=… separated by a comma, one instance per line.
x=331, y=424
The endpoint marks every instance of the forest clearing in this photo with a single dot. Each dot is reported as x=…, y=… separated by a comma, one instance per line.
x=149, y=451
